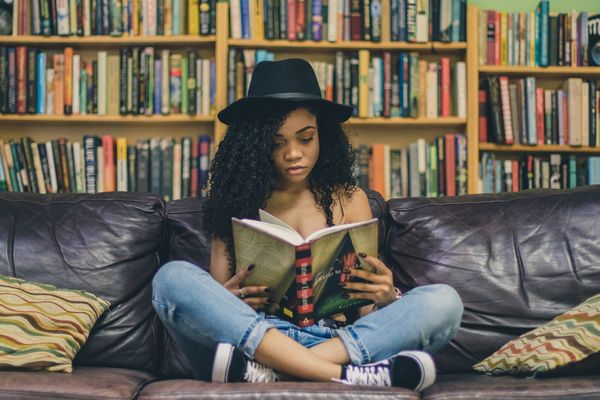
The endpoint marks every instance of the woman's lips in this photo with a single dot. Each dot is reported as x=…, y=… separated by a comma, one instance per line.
x=295, y=170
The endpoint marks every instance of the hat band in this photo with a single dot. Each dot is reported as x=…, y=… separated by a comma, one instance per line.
x=292, y=95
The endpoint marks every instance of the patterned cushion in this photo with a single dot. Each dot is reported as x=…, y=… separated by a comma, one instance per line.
x=43, y=327
x=567, y=339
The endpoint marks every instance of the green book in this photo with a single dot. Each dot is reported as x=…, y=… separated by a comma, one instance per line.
x=184, y=85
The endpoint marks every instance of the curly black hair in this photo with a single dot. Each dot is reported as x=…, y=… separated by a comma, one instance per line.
x=241, y=173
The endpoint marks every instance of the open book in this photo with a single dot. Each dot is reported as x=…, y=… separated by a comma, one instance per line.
x=304, y=273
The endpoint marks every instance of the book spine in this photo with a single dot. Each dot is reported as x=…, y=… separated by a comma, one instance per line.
x=304, y=290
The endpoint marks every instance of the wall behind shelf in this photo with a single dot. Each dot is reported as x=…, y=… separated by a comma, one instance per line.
x=523, y=5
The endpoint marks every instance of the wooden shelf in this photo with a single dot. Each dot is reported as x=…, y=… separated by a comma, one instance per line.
x=547, y=148
x=448, y=121
x=559, y=72
x=352, y=45
x=101, y=41
x=151, y=119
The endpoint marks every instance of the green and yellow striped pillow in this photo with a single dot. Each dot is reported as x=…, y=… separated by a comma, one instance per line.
x=567, y=339
x=42, y=326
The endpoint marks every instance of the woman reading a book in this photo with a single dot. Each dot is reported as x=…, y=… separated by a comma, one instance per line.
x=285, y=152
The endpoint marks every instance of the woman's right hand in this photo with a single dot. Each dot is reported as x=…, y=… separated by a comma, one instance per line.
x=256, y=297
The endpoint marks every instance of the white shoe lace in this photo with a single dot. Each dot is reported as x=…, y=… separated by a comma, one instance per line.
x=370, y=375
x=258, y=373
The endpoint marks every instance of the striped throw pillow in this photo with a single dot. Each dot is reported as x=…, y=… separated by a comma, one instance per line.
x=567, y=339
x=42, y=327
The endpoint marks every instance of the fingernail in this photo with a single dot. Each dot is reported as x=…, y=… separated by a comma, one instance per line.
x=347, y=271
x=362, y=255
x=250, y=267
x=346, y=296
x=268, y=290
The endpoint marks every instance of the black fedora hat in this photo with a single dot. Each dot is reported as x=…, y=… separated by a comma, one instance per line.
x=292, y=79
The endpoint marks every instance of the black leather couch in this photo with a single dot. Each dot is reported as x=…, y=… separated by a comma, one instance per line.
x=517, y=260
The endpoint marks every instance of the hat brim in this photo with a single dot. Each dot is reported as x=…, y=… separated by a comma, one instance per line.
x=243, y=107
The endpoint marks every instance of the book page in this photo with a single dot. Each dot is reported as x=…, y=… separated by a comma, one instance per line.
x=279, y=231
x=337, y=228
x=266, y=217
x=273, y=258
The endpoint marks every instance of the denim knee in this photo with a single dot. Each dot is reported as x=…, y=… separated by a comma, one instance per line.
x=447, y=302
x=169, y=277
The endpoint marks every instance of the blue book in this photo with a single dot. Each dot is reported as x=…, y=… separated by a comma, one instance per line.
x=572, y=171
x=531, y=123
x=542, y=32
x=245, y=14
x=41, y=83
x=402, y=33
x=212, y=82
x=317, y=20
x=455, y=31
x=157, y=86
x=395, y=22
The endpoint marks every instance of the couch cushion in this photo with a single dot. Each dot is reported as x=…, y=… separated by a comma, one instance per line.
x=84, y=383
x=516, y=259
x=471, y=386
x=195, y=390
x=107, y=244
x=186, y=240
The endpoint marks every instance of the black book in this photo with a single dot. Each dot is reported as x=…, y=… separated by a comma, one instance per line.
x=494, y=114
x=554, y=118
x=594, y=40
x=53, y=18
x=31, y=80
x=156, y=169
x=191, y=83
x=94, y=89
x=561, y=40
x=28, y=156
x=592, y=112
x=58, y=166
x=62, y=148
x=366, y=20
x=90, y=147
x=270, y=29
x=205, y=17
x=45, y=166
x=166, y=169
x=354, y=83
x=123, y=55
x=553, y=48
x=283, y=28
x=135, y=99
x=11, y=73
x=3, y=80
x=45, y=20
x=24, y=169
x=95, y=17
x=160, y=17
x=463, y=21
x=17, y=168
x=308, y=19
x=346, y=79
x=143, y=166
x=79, y=11
x=213, y=16
x=131, y=168
x=435, y=21
x=70, y=167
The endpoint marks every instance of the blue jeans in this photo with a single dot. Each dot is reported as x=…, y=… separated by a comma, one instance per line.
x=200, y=313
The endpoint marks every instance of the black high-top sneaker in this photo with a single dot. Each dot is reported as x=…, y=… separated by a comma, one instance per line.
x=231, y=365
x=413, y=370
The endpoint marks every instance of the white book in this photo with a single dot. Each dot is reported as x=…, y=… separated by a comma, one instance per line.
x=152, y=17
x=332, y=20
x=76, y=80
x=51, y=167
x=15, y=24
x=82, y=170
x=78, y=168
x=199, y=86
x=50, y=91
x=572, y=89
x=585, y=116
x=62, y=16
x=235, y=20
x=37, y=164
x=508, y=174
x=460, y=71
x=99, y=170
x=177, y=171
x=144, y=20
x=422, y=21
x=102, y=82
x=165, y=86
x=206, y=87
x=431, y=97
x=121, y=164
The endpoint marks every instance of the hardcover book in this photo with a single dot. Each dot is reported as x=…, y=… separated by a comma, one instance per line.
x=305, y=273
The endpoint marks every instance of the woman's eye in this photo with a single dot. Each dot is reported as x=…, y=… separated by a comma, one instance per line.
x=307, y=140
x=278, y=144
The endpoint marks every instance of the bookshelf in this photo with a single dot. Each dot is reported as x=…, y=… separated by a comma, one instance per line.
x=549, y=77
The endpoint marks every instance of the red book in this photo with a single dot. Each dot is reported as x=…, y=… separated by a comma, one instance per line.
x=21, y=79
x=300, y=19
x=108, y=149
x=491, y=34
x=565, y=119
x=377, y=168
x=497, y=38
x=482, y=116
x=68, y=80
x=291, y=22
x=304, y=303
x=515, y=176
x=387, y=83
x=450, y=150
x=445, y=65
x=194, y=172
x=355, y=20
x=506, y=112
x=539, y=115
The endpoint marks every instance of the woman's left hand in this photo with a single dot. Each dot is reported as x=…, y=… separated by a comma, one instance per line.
x=379, y=286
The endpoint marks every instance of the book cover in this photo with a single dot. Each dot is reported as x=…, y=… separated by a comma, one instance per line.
x=279, y=253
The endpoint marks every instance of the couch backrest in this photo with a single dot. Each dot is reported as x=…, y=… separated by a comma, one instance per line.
x=517, y=260
x=187, y=241
x=107, y=244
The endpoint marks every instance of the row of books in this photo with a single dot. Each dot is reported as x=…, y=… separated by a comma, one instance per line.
x=137, y=81
x=520, y=112
x=379, y=85
x=431, y=169
x=345, y=20
x=170, y=168
x=112, y=17
x=539, y=38
x=555, y=171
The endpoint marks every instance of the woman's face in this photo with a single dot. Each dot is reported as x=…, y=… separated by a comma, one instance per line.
x=296, y=148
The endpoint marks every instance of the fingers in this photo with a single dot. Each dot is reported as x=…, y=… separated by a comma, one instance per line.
x=364, y=287
x=376, y=263
x=238, y=278
x=255, y=291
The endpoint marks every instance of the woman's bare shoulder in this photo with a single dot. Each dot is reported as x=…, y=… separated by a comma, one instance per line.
x=355, y=205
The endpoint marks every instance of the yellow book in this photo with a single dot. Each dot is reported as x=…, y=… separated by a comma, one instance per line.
x=532, y=34
x=363, y=83
x=135, y=12
x=121, y=164
x=193, y=17
x=503, y=38
x=168, y=18
x=259, y=18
